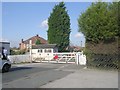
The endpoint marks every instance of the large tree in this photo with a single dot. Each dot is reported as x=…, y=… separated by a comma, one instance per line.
x=59, y=27
x=99, y=22
x=100, y=25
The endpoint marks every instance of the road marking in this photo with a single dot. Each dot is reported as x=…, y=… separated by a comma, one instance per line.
x=61, y=67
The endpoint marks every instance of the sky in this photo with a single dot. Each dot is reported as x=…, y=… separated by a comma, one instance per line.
x=22, y=20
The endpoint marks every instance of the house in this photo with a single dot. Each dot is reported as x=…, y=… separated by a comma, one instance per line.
x=75, y=48
x=25, y=43
x=44, y=51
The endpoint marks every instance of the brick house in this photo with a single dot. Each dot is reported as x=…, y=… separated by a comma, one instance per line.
x=24, y=43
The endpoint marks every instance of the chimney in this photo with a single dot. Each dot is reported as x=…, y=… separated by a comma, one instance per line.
x=22, y=40
x=37, y=35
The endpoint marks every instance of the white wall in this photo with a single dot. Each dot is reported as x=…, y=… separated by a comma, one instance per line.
x=19, y=58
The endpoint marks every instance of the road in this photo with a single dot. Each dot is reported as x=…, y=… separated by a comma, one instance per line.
x=36, y=74
x=53, y=75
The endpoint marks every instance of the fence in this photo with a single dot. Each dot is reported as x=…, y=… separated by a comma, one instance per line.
x=103, y=61
x=19, y=58
x=74, y=57
x=64, y=57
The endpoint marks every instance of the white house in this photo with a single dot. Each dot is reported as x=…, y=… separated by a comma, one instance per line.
x=44, y=51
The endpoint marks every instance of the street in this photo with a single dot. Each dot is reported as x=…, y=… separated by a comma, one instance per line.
x=54, y=75
x=44, y=71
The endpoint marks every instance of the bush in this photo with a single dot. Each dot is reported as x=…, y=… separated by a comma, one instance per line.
x=19, y=52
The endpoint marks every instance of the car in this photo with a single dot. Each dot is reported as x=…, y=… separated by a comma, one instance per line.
x=5, y=65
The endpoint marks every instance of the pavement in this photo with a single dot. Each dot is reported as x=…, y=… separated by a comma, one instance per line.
x=86, y=78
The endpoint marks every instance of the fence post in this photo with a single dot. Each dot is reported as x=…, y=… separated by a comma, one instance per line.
x=77, y=58
x=78, y=55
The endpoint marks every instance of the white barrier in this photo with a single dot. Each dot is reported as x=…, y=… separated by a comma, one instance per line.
x=63, y=57
x=67, y=57
x=19, y=58
x=70, y=57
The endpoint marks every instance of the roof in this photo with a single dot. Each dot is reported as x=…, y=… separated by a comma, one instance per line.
x=34, y=38
x=5, y=42
x=44, y=46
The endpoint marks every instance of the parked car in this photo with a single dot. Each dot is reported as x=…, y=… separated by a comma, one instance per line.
x=5, y=65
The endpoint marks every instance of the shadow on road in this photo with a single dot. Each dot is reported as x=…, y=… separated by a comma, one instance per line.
x=19, y=68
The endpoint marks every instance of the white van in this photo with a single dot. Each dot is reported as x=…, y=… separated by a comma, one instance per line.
x=5, y=65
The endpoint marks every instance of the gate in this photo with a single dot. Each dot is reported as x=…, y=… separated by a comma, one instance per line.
x=64, y=57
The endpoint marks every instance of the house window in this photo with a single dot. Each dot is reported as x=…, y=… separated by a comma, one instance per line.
x=47, y=50
x=40, y=50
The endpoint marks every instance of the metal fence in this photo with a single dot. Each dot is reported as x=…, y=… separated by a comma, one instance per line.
x=103, y=61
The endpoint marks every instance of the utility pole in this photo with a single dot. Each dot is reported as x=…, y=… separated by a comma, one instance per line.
x=30, y=46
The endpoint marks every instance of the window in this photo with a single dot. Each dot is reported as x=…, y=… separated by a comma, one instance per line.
x=47, y=50
x=40, y=50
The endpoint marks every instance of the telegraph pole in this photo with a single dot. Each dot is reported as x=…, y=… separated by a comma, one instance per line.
x=30, y=46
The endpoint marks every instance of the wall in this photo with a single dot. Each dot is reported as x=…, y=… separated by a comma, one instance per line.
x=19, y=58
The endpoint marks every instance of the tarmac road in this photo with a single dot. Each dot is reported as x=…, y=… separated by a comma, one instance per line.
x=47, y=75
x=20, y=76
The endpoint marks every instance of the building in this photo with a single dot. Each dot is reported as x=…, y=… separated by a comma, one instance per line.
x=6, y=45
x=25, y=43
x=75, y=48
x=44, y=51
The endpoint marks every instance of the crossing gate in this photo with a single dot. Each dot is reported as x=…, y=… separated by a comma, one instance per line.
x=64, y=57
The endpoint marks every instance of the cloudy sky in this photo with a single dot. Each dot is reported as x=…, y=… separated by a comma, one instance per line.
x=26, y=19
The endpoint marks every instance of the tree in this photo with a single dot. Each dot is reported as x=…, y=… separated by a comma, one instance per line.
x=37, y=42
x=59, y=27
x=114, y=8
x=99, y=23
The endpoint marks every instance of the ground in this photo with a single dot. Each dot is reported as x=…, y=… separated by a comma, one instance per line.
x=47, y=75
